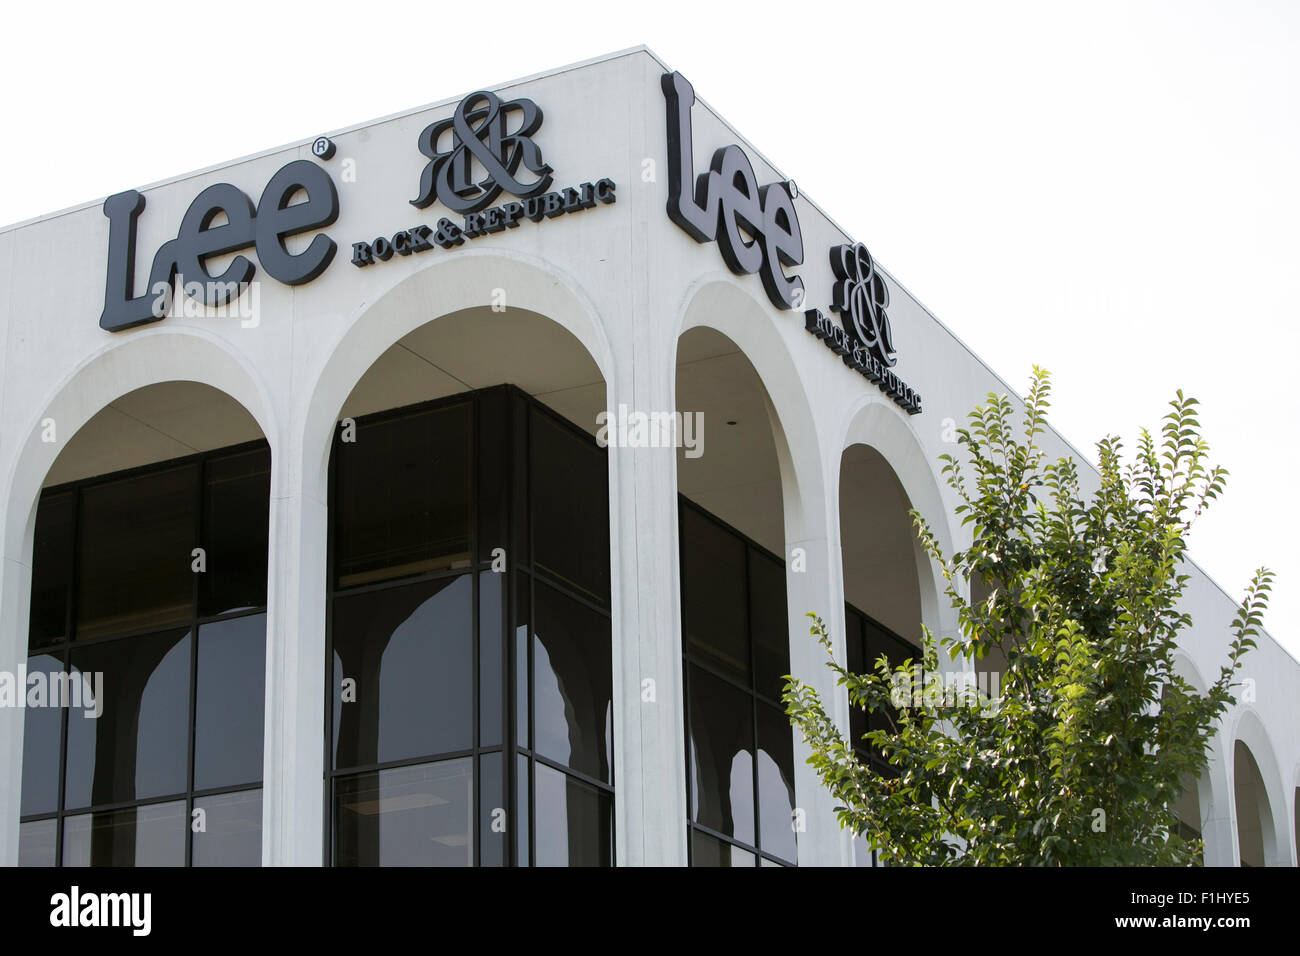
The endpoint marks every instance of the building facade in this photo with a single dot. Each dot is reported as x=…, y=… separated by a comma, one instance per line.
x=452, y=489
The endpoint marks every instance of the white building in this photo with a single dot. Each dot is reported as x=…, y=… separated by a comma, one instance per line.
x=439, y=647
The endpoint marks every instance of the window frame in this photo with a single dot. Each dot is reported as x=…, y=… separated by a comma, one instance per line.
x=63, y=649
x=755, y=697
x=512, y=496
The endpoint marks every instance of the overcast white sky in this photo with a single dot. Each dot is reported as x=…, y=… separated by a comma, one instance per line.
x=1109, y=190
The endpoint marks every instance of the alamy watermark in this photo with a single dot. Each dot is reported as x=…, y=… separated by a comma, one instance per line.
x=133, y=911
x=929, y=690
x=75, y=691
x=636, y=429
x=209, y=299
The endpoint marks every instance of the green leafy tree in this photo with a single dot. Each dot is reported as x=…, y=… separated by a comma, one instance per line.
x=1093, y=737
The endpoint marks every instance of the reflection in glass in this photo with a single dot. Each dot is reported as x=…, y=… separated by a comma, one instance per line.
x=37, y=842
x=152, y=835
x=407, y=816
x=402, y=497
x=574, y=821
x=523, y=811
x=231, y=697
x=710, y=851
x=52, y=553
x=866, y=642
x=491, y=652
x=494, y=818
x=237, y=502
x=713, y=595
x=499, y=671
x=134, y=549
x=775, y=783
x=855, y=655
x=42, y=731
x=880, y=642
x=495, y=471
x=572, y=683
x=171, y=708
x=232, y=834
x=570, y=481
x=721, y=754
x=740, y=773
x=410, y=652
x=523, y=602
x=768, y=624
x=138, y=747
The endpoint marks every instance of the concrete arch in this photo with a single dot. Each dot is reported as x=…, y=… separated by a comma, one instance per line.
x=718, y=302
x=1249, y=730
x=1213, y=787
x=879, y=424
x=448, y=285
x=295, y=665
x=146, y=358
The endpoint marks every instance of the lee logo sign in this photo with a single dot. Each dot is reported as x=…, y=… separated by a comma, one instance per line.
x=757, y=231
x=184, y=259
x=474, y=157
x=726, y=200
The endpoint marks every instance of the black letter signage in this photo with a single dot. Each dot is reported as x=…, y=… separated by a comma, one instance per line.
x=728, y=204
x=499, y=151
x=757, y=230
x=861, y=298
x=197, y=240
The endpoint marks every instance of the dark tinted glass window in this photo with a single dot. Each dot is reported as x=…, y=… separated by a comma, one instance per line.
x=142, y=702
x=713, y=586
x=138, y=747
x=855, y=646
x=572, y=683
x=230, y=699
x=152, y=835
x=507, y=667
x=721, y=756
x=881, y=642
x=775, y=782
x=575, y=824
x=710, y=851
x=38, y=843
x=740, y=746
x=491, y=658
x=52, y=569
x=523, y=680
x=403, y=496
x=494, y=816
x=42, y=730
x=523, y=811
x=570, y=507
x=409, y=652
x=407, y=816
x=232, y=830
x=134, y=552
x=237, y=504
x=494, y=425
x=866, y=643
x=769, y=624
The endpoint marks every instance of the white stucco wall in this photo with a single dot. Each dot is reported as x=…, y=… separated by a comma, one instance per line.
x=626, y=282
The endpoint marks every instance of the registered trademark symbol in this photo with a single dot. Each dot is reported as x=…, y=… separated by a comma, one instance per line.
x=323, y=147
